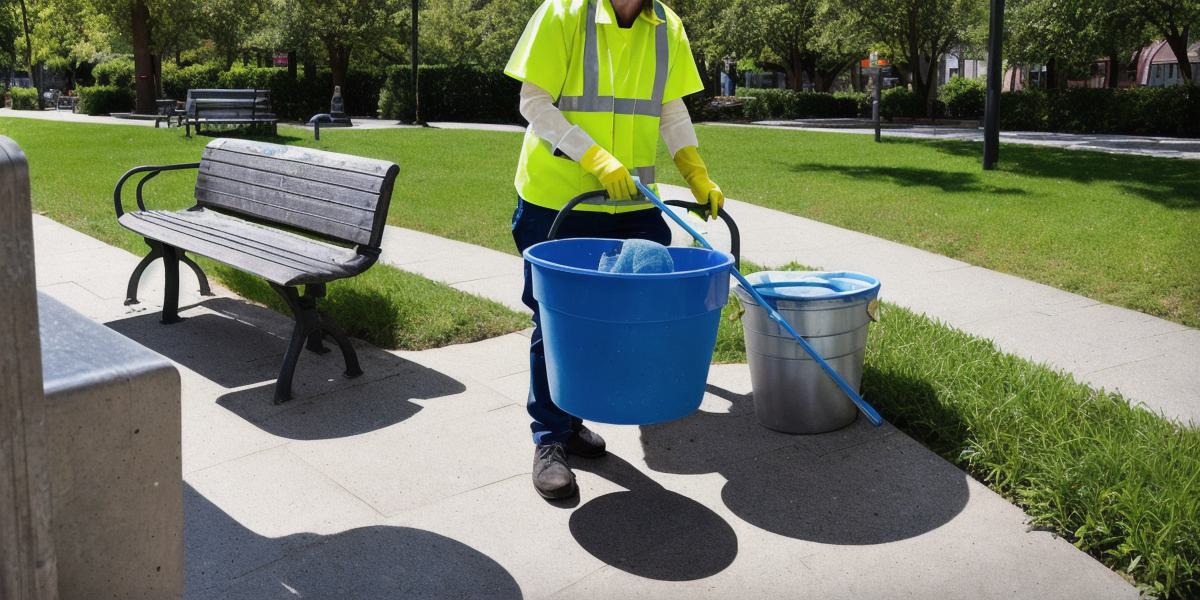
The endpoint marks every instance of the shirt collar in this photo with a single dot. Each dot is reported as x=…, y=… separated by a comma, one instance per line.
x=606, y=16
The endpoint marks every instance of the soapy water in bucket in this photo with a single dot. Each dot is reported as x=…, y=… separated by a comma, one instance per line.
x=637, y=256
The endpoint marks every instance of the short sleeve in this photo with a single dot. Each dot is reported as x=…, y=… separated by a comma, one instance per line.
x=541, y=56
x=683, y=78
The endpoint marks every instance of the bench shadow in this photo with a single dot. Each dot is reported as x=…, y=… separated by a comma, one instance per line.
x=650, y=531
x=860, y=485
x=248, y=134
x=240, y=346
x=223, y=559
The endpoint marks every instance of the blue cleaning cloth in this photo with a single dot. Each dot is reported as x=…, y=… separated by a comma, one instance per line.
x=638, y=256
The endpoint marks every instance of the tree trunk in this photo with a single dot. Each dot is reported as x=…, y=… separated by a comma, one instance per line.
x=29, y=53
x=143, y=62
x=1114, y=70
x=292, y=65
x=856, y=77
x=931, y=85
x=1178, y=43
x=158, y=93
x=339, y=63
x=1051, y=79
x=310, y=68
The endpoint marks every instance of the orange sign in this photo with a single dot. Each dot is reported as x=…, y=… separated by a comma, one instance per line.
x=879, y=62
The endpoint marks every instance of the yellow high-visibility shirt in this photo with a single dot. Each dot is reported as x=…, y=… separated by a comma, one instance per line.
x=609, y=81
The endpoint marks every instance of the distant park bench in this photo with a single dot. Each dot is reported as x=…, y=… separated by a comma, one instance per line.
x=228, y=107
x=290, y=215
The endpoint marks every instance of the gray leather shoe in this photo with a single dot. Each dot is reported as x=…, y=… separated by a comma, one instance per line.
x=552, y=478
x=585, y=443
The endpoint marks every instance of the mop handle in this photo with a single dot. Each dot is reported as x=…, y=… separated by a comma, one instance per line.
x=866, y=409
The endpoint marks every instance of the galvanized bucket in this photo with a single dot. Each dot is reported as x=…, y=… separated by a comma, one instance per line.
x=832, y=310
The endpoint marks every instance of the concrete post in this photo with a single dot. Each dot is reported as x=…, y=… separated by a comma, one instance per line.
x=28, y=567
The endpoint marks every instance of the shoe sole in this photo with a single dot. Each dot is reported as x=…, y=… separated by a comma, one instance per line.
x=561, y=494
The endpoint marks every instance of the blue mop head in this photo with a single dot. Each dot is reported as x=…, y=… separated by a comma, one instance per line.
x=638, y=256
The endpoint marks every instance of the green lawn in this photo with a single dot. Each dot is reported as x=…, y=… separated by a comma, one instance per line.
x=1119, y=482
x=73, y=169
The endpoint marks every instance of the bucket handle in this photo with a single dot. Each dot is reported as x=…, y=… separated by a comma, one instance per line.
x=703, y=210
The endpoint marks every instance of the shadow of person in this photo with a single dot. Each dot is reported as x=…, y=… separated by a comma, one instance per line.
x=857, y=485
x=650, y=531
x=239, y=345
x=223, y=559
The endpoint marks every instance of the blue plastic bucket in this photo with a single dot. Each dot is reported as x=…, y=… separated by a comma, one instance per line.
x=624, y=348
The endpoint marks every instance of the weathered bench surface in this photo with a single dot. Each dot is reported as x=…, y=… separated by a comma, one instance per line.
x=293, y=216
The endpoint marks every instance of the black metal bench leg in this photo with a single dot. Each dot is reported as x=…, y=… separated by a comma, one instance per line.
x=335, y=331
x=200, y=276
x=315, y=339
x=170, y=311
x=308, y=325
x=283, y=385
x=134, y=279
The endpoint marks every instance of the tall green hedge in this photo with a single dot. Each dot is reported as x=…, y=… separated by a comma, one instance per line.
x=765, y=103
x=1171, y=111
x=295, y=99
x=964, y=98
x=23, y=98
x=452, y=93
x=105, y=99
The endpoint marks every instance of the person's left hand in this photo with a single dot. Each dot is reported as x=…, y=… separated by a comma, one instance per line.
x=695, y=172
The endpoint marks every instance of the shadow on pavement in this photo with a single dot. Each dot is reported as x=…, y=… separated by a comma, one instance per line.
x=650, y=531
x=240, y=345
x=852, y=486
x=225, y=560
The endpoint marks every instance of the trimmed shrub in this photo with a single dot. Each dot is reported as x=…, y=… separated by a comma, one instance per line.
x=117, y=72
x=23, y=98
x=964, y=98
x=104, y=99
x=1171, y=111
x=176, y=81
x=899, y=102
x=763, y=103
x=452, y=93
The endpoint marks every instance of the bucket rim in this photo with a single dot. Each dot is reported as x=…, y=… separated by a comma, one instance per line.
x=870, y=291
x=725, y=265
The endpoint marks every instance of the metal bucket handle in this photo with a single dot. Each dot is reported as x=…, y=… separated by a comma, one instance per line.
x=703, y=210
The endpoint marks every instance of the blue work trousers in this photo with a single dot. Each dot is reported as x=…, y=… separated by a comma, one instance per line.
x=530, y=225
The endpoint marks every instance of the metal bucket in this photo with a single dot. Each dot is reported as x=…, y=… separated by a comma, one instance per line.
x=832, y=310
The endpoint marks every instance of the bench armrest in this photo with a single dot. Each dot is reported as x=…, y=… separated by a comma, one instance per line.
x=151, y=171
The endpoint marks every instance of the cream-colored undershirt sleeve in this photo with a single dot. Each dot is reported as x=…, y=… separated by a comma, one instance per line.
x=537, y=106
x=676, y=127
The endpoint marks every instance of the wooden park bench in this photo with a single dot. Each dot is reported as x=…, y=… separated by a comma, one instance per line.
x=228, y=107
x=290, y=215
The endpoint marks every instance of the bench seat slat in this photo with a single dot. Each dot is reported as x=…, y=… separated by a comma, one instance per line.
x=277, y=256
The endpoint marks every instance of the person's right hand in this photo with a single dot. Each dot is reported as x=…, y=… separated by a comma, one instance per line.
x=612, y=174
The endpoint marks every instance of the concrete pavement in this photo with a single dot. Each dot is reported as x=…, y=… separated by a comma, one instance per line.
x=1142, y=145
x=413, y=480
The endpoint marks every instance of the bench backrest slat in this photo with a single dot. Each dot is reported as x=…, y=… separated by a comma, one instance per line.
x=337, y=196
x=218, y=104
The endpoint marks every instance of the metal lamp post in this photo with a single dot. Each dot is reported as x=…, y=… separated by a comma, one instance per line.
x=991, y=114
x=416, y=94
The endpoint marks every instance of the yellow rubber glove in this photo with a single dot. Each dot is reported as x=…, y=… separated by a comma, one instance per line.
x=612, y=174
x=695, y=173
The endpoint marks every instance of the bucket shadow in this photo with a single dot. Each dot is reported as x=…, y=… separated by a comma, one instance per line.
x=240, y=345
x=854, y=486
x=650, y=531
x=223, y=559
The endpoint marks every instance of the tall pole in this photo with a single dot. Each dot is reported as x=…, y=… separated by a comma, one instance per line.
x=416, y=95
x=991, y=115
